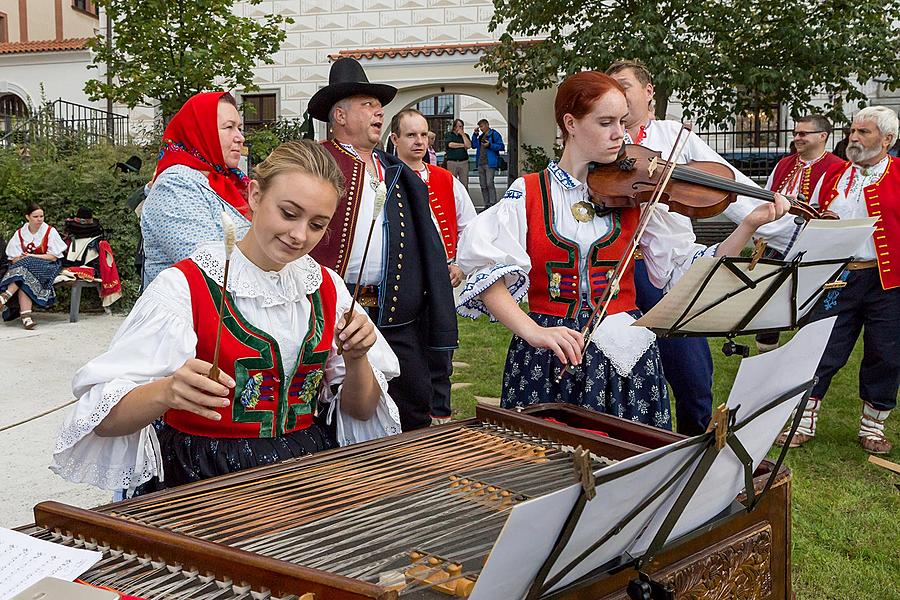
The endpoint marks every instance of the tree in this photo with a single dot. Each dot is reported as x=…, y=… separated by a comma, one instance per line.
x=720, y=58
x=168, y=50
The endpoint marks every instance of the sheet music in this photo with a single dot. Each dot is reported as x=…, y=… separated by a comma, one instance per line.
x=819, y=241
x=25, y=560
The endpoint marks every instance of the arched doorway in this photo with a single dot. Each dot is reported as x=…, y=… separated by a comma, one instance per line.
x=13, y=106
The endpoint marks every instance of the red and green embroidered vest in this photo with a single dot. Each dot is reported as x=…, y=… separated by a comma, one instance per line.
x=443, y=206
x=265, y=402
x=883, y=201
x=554, y=278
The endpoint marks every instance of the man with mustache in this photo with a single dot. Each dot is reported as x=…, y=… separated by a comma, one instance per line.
x=867, y=185
x=797, y=174
x=403, y=280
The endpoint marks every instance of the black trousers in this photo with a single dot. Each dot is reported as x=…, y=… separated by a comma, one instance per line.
x=440, y=366
x=412, y=389
x=862, y=305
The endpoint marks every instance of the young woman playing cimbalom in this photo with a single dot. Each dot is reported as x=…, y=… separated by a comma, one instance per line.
x=282, y=378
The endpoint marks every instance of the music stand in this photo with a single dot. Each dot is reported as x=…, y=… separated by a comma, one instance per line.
x=727, y=296
x=632, y=509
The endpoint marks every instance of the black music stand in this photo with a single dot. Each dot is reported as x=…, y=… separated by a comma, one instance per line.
x=734, y=293
x=692, y=472
x=728, y=296
x=658, y=498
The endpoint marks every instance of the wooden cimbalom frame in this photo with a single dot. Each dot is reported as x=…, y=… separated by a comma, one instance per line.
x=413, y=516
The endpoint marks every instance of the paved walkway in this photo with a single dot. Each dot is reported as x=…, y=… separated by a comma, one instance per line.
x=37, y=369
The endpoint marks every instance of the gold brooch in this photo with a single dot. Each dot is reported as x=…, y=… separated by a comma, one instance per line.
x=583, y=211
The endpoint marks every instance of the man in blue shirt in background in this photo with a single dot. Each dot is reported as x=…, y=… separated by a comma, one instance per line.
x=488, y=144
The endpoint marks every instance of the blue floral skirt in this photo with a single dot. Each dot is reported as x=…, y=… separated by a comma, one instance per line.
x=530, y=378
x=35, y=277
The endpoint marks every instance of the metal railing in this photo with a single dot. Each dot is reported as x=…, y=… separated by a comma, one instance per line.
x=755, y=152
x=61, y=118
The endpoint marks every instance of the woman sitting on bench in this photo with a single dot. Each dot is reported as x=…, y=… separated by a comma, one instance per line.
x=34, y=255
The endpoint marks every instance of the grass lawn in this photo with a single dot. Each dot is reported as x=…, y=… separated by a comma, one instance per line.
x=846, y=522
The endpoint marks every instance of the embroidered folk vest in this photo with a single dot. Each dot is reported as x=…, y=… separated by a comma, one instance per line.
x=443, y=206
x=788, y=166
x=30, y=248
x=882, y=200
x=265, y=402
x=334, y=249
x=555, y=287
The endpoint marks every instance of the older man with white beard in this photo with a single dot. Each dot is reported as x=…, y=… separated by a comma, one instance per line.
x=867, y=185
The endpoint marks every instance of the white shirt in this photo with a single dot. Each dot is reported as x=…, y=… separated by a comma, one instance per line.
x=850, y=202
x=55, y=245
x=158, y=337
x=661, y=135
x=373, y=270
x=465, y=208
x=494, y=244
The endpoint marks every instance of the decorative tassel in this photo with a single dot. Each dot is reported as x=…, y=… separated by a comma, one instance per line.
x=230, y=234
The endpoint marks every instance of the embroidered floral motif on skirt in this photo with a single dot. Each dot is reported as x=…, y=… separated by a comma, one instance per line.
x=530, y=378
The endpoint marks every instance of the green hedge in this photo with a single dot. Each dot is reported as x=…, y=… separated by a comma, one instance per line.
x=63, y=178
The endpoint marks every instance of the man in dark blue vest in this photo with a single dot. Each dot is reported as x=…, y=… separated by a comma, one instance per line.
x=403, y=277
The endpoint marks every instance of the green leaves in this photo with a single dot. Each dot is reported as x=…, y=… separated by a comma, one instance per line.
x=168, y=50
x=720, y=59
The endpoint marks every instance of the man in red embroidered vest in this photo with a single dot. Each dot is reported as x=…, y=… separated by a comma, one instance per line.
x=451, y=211
x=868, y=185
x=797, y=174
x=404, y=282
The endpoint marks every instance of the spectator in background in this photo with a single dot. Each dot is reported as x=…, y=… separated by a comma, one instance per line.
x=488, y=146
x=431, y=155
x=34, y=254
x=457, y=154
x=795, y=175
x=197, y=178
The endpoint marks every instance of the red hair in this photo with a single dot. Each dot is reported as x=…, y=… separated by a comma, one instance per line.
x=577, y=94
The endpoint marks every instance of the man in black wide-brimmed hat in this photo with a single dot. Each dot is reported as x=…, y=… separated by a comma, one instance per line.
x=404, y=280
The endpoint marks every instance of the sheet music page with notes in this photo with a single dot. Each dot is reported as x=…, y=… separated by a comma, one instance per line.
x=25, y=560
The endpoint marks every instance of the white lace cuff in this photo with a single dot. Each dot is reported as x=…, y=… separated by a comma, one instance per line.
x=470, y=304
x=112, y=463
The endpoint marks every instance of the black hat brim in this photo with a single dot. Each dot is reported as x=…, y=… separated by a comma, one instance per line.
x=322, y=101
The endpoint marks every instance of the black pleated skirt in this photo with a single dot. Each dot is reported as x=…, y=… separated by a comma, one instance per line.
x=188, y=458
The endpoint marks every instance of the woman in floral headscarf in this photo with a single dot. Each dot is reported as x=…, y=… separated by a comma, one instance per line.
x=197, y=178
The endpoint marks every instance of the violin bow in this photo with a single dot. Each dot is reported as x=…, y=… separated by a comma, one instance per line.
x=612, y=288
x=230, y=230
x=380, y=197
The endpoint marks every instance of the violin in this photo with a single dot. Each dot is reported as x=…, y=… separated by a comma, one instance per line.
x=697, y=189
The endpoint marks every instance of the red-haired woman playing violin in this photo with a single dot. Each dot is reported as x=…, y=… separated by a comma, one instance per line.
x=546, y=238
